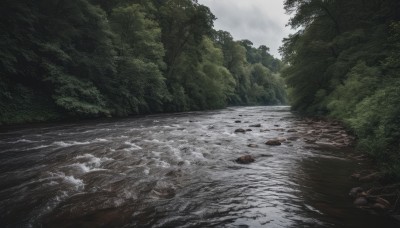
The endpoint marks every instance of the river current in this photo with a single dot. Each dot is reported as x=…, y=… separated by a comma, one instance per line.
x=176, y=170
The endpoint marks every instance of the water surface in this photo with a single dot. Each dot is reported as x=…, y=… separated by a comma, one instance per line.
x=176, y=170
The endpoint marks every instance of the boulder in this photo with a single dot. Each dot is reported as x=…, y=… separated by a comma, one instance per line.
x=255, y=125
x=238, y=121
x=249, y=130
x=355, y=191
x=240, y=130
x=361, y=201
x=273, y=142
x=245, y=159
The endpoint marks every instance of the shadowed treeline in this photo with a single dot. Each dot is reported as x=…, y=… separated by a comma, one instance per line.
x=89, y=58
x=344, y=63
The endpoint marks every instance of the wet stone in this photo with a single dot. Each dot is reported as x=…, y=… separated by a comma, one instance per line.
x=273, y=142
x=355, y=191
x=361, y=201
x=252, y=145
x=240, y=130
x=245, y=159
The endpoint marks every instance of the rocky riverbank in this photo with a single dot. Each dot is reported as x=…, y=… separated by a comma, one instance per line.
x=374, y=192
x=371, y=193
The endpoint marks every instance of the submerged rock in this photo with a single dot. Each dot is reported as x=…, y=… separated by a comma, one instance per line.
x=252, y=145
x=210, y=127
x=355, y=191
x=293, y=138
x=273, y=142
x=245, y=159
x=240, y=130
x=266, y=155
x=361, y=201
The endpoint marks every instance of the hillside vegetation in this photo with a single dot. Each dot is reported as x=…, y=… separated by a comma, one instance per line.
x=344, y=62
x=91, y=58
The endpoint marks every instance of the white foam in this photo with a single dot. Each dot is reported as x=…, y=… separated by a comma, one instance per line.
x=93, y=163
x=198, y=155
x=85, y=168
x=146, y=171
x=37, y=147
x=87, y=156
x=153, y=141
x=70, y=143
x=23, y=141
x=163, y=164
x=133, y=146
x=157, y=154
x=75, y=182
x=100, y=140
x=74, y=143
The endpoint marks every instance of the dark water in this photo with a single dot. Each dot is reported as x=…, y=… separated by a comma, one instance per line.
x=175, y=171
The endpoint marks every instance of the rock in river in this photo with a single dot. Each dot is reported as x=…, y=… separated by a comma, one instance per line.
x=252, y=145
x=238, y=121
x=245, y=159
x=273, y=142
x=255, y=125
x=240, y=130
x=361, y=201
x=355, y=191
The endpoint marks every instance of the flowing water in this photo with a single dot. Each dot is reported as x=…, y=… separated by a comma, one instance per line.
x=175, y=170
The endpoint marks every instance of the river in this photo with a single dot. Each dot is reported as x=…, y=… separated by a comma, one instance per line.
x=176, y=170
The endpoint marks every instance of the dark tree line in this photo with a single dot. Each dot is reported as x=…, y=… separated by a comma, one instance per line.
x=90, y=58
x=345, y=62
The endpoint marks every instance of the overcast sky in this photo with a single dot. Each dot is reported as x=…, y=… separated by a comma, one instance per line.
x=260, y=21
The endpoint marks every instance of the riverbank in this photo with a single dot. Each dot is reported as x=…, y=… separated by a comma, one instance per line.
x=374, y=189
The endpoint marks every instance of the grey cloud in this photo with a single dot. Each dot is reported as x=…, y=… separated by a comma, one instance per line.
x=260, y=21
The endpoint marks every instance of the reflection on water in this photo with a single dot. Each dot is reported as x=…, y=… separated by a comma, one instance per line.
x=175, y=171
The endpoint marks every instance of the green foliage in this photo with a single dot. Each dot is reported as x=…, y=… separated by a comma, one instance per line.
x=344, y=62
x=91, y=58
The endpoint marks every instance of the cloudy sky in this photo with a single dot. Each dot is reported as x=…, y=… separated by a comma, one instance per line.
x=260, y=21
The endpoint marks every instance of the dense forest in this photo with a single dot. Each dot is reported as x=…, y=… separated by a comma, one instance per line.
x=344, y=62
x=91, y=58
